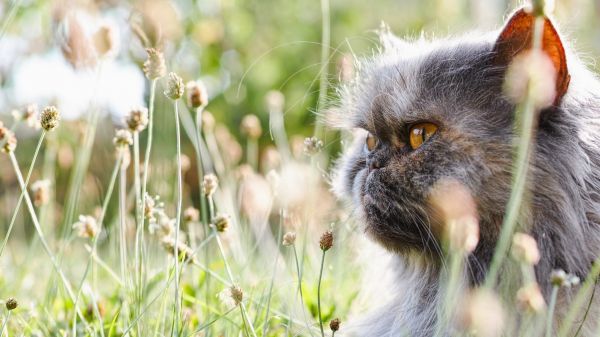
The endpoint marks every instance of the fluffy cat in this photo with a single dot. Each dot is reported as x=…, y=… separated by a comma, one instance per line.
x=450, y=92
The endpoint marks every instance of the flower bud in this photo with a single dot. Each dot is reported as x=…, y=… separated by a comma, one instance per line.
x=174, y=87
x=49, y=118
x=154, y=67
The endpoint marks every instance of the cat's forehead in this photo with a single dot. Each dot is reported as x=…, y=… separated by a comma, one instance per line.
x=412, y=81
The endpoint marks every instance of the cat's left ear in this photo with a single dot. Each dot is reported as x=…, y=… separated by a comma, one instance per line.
x=517, y=36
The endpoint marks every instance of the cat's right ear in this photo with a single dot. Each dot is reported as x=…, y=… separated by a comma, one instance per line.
x=517, y=36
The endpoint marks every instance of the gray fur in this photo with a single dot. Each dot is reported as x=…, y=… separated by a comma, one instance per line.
x=455, y=83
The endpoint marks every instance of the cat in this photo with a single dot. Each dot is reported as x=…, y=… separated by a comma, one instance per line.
x=450, y=93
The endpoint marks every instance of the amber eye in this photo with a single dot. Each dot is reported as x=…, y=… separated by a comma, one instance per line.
x=371, y=142
x=420, y=133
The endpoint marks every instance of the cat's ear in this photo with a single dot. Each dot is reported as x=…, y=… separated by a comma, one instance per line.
x=517, y=36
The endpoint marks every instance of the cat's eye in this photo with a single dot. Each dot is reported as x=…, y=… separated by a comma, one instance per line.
x=371, y=142
x=420, y=133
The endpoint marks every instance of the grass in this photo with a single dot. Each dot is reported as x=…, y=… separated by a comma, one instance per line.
x=200, y=279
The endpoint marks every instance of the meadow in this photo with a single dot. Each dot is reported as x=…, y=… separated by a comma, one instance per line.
x=166, y=169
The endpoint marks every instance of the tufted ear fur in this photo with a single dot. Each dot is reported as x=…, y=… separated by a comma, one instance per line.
x=517, y=36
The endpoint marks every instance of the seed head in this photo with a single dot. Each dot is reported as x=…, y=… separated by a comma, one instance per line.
x=29, y=115
x=86, y=227
x=559, y=278
x=275, y=101
x=232, y=296
x=531, y=75
x=222, y=222
x=41, y=192
x=49, y=118
x=530, y=299
x=326, y=241
x=524, y=249
x=483, y=314
x=250, y=126
x=11, y=304
x=155, y=67
x=137, y=120
x=174, y=87
x=210, y=184
x=312, y=146
x=191, y=214
x=184, y=252
x=289, y=238
x=334, y=325
x=7, y=139
x=197, y=95
x=123, y=138
x=106, y=41
x=161, y=225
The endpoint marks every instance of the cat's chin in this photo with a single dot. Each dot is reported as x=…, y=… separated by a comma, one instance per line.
x=394, y=234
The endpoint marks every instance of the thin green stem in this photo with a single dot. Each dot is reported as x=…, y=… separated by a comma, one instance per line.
x=299, y=272
x=4, y=324
x=319, y=294
x=178, y=219
x=524, y=148
x=18, y=206
x=325, y=46
x=38, y=229
x=550, y=317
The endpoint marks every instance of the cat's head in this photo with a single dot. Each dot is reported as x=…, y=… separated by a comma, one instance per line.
x=424, y=112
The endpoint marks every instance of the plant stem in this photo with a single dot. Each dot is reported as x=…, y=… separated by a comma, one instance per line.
x=551, y=307
x=524, y=148
x=38, y=229
x=178, y=219
x=23, y=191
x=4, y=324
x=325, y=45
x=319, y=294
x=299, y=272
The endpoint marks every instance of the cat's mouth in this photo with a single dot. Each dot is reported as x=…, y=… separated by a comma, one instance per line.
x=394, y=225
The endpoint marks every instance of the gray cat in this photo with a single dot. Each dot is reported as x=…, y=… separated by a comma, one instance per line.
x=424, y=111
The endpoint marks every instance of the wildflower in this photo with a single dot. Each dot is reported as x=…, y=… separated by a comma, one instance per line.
x=559, y=278
x=210, y=184
x=49, y=118
x=7, y=139
x=106, y=41
x=29, y=115
x=123, y=138
x=222, y=222
x=334, y=325
x=154, y=67
x=456, y=215
x=41, y=192
x=326, y=241
x=232, y=296
x=275, y=101
x=183, y=251
x=196, y=94
x=174, y=87
x=312, y=146
x=289, y=238
x=524, y=249
x=531, y=73
x=137, y=120
x=250, y=126
x=76, y=45
x=152, y=206
x=483, y=314
x=11, y=304
x=529, y=298
x=191, y=214
x=161, y=225
x=86, y=227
